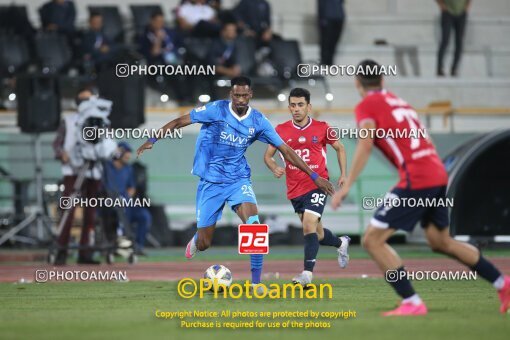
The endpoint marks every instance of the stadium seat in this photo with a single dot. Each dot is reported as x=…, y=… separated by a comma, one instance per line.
x=14, y=55
x=197, y=49
x=14, y=19
x=286, y=57
x=53, y=52
x=142, y=16
x=246, y=51
x=112, y=22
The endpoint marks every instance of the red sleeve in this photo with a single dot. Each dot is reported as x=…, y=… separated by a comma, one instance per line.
x=364, y=113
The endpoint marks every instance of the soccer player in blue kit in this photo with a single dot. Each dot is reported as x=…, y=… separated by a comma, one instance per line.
x=229, y=128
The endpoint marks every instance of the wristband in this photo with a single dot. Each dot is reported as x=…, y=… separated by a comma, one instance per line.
x=152, y=140
x=314, y=176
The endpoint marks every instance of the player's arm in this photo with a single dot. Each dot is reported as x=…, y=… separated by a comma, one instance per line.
x=361, y=155
x=170, y=126
x=291, y=156
x=342, y=161
x=278, y=171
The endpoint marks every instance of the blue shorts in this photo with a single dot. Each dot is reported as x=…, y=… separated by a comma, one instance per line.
x=312, y=202
x=406, y=216
x=211, y=198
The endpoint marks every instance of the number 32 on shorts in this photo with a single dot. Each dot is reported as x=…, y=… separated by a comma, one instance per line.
x=318, y=198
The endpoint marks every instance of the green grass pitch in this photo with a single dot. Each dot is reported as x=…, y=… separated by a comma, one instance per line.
x=107, y=310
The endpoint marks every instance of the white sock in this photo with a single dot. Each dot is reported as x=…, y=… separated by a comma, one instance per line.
x=499, y=283
x=415, y=300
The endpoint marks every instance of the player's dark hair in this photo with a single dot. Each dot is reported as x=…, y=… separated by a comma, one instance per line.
x=240, y=81
x=371, y=77
x=299, y=92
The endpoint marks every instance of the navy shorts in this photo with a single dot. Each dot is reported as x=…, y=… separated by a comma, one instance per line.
x=312, y=202
x=403, y=209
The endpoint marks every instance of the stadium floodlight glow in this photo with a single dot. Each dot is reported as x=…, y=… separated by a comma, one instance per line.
x=329, y=97
x=164, y=98
x=221, y=83
x=282, y=97
x=204, y=98
x=12, y=96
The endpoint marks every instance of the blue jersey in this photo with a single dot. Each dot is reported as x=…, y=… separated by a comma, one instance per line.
x=224, y=138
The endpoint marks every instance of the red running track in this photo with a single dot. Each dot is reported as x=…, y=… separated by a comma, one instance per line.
x=171, y=271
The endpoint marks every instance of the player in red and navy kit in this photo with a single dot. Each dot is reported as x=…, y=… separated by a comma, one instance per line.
x=422, y=176
x=308, y=138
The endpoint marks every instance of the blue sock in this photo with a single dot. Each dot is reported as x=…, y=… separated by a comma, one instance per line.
x=330, y=239
x=311, y=250
x=256, y=260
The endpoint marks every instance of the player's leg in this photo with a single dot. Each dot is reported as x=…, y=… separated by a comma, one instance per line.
x=312, y=205
x=387, y=259
x=436, y=223
x=386, y=221
x=248, y=213
x=210, y=201
x=327, y=238
x=241, y=198
x=440, y=241
x=310, y=222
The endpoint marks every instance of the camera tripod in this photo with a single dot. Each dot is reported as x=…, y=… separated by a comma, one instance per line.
x=38, y=216
x=110, y=247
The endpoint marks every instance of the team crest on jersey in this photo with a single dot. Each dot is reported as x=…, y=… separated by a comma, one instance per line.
x=251, y=131
x=302, y=139
x=315, y=139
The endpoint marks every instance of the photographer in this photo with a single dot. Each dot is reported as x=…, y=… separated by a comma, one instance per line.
x=120, y=182
x=77, y=155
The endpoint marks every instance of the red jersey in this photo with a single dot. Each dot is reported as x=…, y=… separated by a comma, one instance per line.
x=416, y=159
x=309, y=142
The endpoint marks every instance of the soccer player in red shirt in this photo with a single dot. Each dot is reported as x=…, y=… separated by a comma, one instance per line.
x=422, y=176
x=309, y=137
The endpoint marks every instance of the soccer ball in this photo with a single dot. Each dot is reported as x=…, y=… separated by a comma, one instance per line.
x=219, y=272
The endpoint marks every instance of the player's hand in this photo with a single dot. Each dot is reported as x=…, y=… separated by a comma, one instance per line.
x=325, y=186
x=339, y=196
x=145, y=146
x=341, y=181
x=279, y=172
